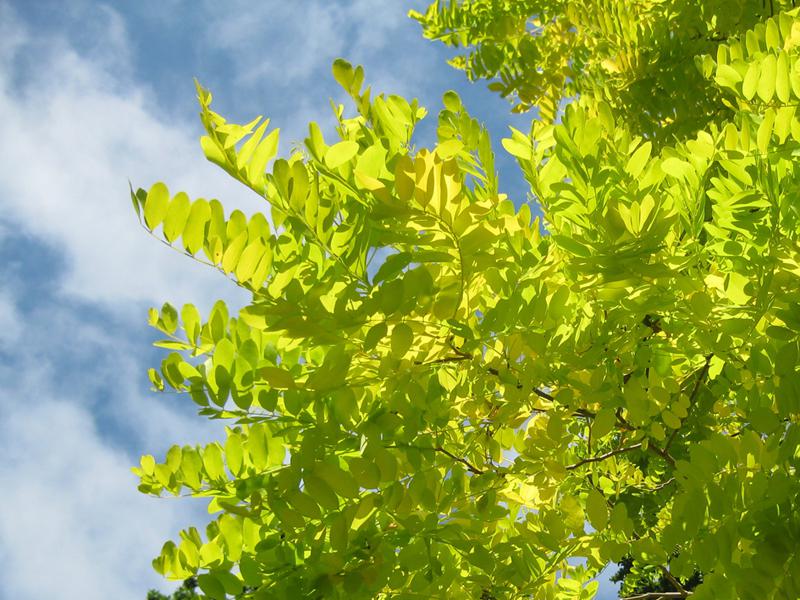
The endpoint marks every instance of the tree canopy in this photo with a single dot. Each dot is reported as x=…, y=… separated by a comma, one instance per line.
x=434, y=395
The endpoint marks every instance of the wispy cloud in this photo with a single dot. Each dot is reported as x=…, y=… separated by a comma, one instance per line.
x=77, y=273
x=73, y=524
x=74, y=131
x=75, y=417
x=282, y=54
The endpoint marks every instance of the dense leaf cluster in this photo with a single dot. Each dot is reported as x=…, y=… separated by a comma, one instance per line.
x=428, y=398
x=638, y=56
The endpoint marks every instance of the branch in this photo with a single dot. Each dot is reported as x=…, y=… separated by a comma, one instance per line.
x=662, y=453
x=675, y=583
x=470, y=467
x=446, y=359
x=602, y=457
x=692, y=397
x=657, y=596
x=541, y=393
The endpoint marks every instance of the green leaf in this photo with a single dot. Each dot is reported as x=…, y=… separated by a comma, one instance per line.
x=782, y=86
x=766, y=82
x=193, y=234
x=277, y=378
x=155, y=205
x=177, y=214
x=343, y=73
x=638, y=160
x=727, y=76
x=597, y=509
x=212, y=463
x=772, y=35
x=249, y=260
x=452, y=101
x=338, y=479
x=339, y=532
x=258, y=446
x=603, y=423
x=517, y=148
x=751, y=79
x=234, y=453
x=340, y=153
x=304, y=504
x=765, y=131
x=676, y=167
x=401, y=340
x=375, y=334
x=232, y=254
x=263, y=153
x=572, y=246
x=211, y=586
x=318, y=489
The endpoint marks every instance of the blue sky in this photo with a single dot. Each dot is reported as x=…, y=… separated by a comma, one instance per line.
x=94, y=94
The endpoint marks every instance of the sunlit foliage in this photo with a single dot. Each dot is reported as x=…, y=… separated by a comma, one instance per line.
x=429, y=398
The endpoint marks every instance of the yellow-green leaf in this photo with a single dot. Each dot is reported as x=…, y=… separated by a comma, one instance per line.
x=638, y=159
x=782, y=85
x=176, y=217
x=155, y=205
x=766, y=82
x=340, y=153
x=277, y=378
x=603, y=423
x=264, y=152
x=751, y=78
x=401, y=339
x=597, y=509
x=248, y=261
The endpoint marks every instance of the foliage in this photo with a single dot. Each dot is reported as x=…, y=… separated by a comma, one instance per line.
x=637, y=581
x=428, y=398
x=186, y=591
x=637, y=56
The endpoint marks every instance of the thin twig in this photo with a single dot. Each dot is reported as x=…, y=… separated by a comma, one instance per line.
x=446, y=359
x=602, y=457
x=662, y=453
x=657, y=596
x=675, y=583
x=701, y=376
x=470, y=467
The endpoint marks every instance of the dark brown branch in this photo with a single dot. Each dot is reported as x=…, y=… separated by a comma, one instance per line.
x=662, y=453
x=470, y=467
x=675, y=583
x=539, y=392
x=622, y=421
x=657, y=596
x=662, y=485
x=692, y=397
x=602, y=457
x=446, y=359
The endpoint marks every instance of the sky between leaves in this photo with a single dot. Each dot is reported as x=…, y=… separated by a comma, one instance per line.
x=93, y=94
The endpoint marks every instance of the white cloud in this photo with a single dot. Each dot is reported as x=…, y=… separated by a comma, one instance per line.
x=74, y=131
x=292, y=45
x=76, y=127
x=73, y=524
x=10, y=319
x=74, y=416
x=74, y=421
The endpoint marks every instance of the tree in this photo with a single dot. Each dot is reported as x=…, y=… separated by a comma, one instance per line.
x=638, y=57
x=186, y=591
x=430, y=398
